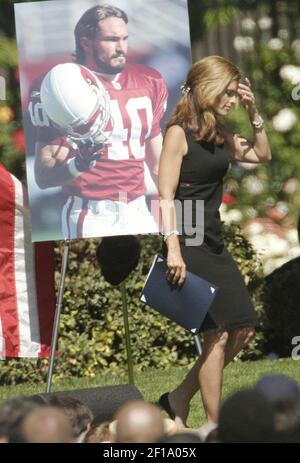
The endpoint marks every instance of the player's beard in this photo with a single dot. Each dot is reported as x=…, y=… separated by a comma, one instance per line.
x=105, y=67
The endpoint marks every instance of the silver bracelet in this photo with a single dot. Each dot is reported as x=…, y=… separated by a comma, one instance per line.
x=258, y=122
x=173, y=232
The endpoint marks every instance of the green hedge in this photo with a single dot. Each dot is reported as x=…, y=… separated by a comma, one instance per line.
x=91, y=328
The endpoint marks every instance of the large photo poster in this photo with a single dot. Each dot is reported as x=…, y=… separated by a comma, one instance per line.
x=98, y=80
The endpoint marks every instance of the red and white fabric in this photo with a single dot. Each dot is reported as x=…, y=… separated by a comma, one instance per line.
x=27, y=291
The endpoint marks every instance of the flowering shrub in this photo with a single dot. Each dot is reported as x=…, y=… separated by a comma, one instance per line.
x=267, y=196
x=273, y=67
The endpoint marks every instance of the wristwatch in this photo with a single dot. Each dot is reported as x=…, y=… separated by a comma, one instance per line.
x=258, y=122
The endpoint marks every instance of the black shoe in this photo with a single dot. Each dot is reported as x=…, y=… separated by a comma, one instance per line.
x=165, y=405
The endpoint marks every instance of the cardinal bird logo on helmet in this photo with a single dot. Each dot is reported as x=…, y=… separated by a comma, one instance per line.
x=77, y=103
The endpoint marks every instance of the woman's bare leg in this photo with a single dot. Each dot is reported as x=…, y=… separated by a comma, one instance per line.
x=180, y=398
x=206, y=372
x=237, y=341
x=211, y=373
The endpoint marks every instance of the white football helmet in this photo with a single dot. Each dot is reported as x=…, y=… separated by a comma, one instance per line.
x=77, y=103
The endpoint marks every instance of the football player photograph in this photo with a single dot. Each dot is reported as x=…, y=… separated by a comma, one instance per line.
x=197, y=150
x=97, y=121
x=105, y=185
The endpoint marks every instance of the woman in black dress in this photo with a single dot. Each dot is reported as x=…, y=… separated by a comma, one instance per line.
x=196, y=154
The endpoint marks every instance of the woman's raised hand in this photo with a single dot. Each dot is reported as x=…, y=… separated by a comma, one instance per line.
x=246, y=96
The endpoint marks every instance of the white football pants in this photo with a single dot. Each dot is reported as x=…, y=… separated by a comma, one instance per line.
x=84, y=218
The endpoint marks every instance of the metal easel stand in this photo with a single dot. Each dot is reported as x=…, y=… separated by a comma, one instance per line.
x=198, y=344
x=57, y=316
x=127, y=334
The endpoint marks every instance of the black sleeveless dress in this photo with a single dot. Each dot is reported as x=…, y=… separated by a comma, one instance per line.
x=201, y=178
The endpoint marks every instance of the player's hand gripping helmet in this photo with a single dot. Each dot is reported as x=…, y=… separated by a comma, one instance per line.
x=77, y=103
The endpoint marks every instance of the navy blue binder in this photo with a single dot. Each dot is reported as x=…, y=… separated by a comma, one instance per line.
x=186, y=305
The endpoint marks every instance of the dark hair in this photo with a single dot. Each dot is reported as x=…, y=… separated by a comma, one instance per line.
x=246, y=417
x=79, y=415
x=181, y=438
x=287, y=420
x=12, y=414
x=88, y=26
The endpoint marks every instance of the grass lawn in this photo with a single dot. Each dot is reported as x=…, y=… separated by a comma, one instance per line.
x=152, y=383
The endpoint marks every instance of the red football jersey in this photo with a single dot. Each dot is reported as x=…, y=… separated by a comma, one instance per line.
x=138, y=100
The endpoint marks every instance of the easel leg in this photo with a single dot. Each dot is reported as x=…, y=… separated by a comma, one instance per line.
x=198, y=344
x=57, y=316
x=127, y=334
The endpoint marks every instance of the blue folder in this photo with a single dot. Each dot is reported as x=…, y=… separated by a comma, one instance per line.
x=186, y=305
